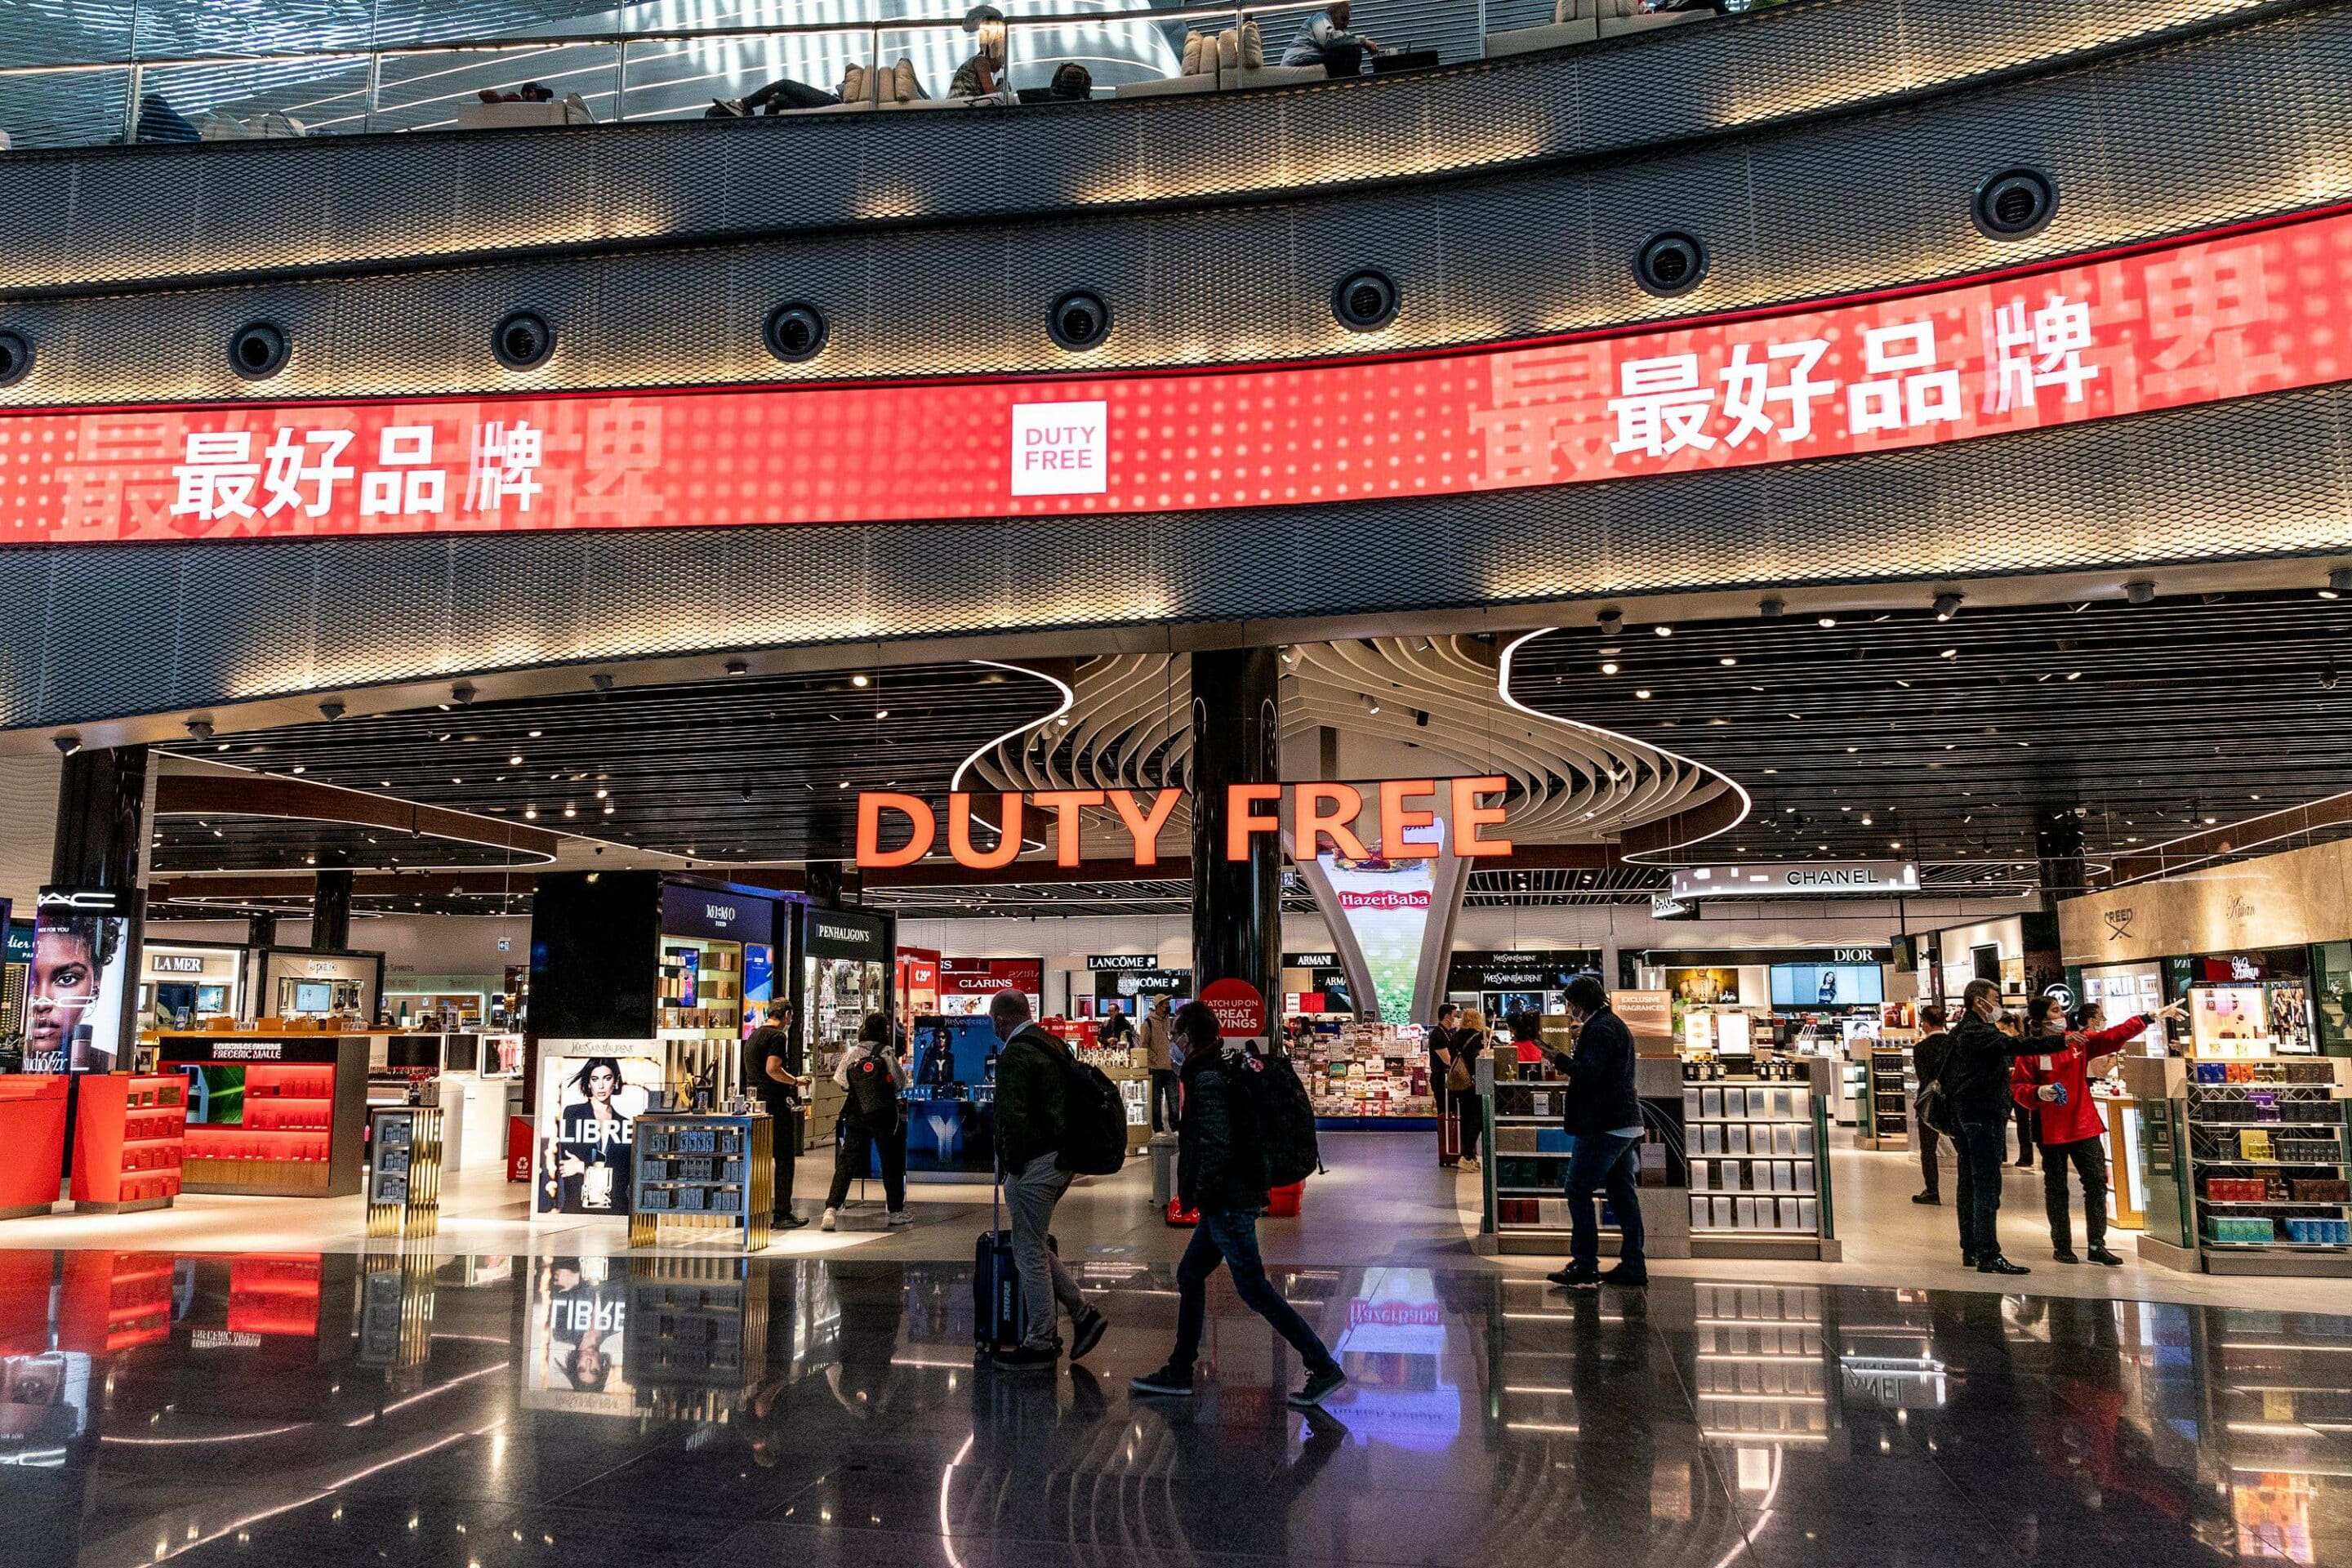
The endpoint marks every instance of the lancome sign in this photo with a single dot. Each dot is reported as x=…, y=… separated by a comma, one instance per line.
x=1798, y=879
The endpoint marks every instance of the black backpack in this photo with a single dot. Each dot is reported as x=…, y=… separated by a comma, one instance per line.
x=873, y=1093
x=1094, y=1121
x=1286, y=1124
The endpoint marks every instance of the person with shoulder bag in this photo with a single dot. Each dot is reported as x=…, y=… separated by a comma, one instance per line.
x=1032, y=1118
x=1470, y=1043
x=1227, y=1155
x=1927, y=1062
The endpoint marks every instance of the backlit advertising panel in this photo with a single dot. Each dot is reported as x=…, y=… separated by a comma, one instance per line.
x=2225, y=315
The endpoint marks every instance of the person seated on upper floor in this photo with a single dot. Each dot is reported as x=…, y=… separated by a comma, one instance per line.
x=778, y=96
x=1324, y=41
x=983, y=76
x=1071, y=81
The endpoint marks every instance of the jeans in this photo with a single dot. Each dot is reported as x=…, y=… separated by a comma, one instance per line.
x=850, y=1156
x=1230, y=1236
x=1163, y=1094
x=1604, y=1162
x=1030, y=1195
x=1982, y=1143
x=1931, y=1173
x=2089, y=1158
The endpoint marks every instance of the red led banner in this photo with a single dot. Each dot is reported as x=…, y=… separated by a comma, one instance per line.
x=2222, y=317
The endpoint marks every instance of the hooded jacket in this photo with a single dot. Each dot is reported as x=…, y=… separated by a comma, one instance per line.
x=1220, y=1154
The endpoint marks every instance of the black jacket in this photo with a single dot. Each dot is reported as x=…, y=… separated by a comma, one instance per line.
x=1976, y=1068
x=1032, y=1094
x=1927, y=1057
x=1601, y=1096
x=1219, y=1154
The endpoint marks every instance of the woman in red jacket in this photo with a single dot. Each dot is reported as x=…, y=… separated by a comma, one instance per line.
x=2057, y=1087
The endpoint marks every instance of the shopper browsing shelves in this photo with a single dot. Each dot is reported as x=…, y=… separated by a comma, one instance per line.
x=1927, y=1062
x=872, y=1118
x=1604, y=1117
x=773, y=1051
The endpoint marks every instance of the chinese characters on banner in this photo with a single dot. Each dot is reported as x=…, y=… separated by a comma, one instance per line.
x=2222, y=318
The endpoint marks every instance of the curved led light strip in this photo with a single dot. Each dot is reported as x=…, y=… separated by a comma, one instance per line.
x=1069, y=698
x=1503, y=689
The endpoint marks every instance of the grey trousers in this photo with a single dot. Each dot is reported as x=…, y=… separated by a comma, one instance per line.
x=1030, y=1195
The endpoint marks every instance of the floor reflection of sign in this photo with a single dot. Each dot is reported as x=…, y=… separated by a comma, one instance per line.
x=1894, y=1383
x=1395, y=1351
x=574, y=1337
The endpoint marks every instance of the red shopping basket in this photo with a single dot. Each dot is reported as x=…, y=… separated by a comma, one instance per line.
x=1178, y=1215
x=1281, y=1202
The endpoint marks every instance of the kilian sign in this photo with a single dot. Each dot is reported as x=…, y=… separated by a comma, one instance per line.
x=1797, y=880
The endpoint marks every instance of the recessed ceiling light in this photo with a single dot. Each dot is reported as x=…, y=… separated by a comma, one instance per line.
x=1607, y=667
x=1950, y=653
x=1828, y=621
x=1644, y=693
x=1663, y=631
x=1727, y=660
x=854, y=680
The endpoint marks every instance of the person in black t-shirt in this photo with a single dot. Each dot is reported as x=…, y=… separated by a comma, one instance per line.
x=1441, y=1059
x=775, y=1054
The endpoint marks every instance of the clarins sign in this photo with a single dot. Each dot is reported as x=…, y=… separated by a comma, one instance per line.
x=896, y=829
x=2167, y=327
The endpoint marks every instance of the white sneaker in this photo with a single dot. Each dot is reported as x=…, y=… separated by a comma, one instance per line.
x=902, y=1216
x=1469, y=1162
x=831, y=1220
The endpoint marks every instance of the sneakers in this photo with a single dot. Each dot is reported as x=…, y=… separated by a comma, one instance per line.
x=902, y=1216
x=2101, y=1255
x=1576, y=1278
x=1629, y=1279
x=1171, y=1381
x=1029, y=1358
x=1469, y=1162
x=1997, y=1264
x=1321, y=1384
x=1925, y=1198
x=2064, y=1255
x=787, y=1221
x=831, y=1220
x=1086, y=1332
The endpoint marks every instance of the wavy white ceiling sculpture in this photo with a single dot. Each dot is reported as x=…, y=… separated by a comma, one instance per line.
x=1127, y=727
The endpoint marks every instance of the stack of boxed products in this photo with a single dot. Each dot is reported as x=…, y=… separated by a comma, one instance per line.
x=1751, y=1149
x=1368, y=1069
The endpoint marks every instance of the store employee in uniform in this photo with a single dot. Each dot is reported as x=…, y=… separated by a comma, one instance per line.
x=773, y=1049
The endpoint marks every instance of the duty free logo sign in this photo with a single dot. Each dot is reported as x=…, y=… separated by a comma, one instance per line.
x=1061, y=448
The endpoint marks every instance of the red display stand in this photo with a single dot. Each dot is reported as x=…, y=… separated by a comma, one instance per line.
x=129, y=1132
x=31, y=1143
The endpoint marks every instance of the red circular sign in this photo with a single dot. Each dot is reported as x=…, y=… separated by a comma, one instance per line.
x=1240, y=1010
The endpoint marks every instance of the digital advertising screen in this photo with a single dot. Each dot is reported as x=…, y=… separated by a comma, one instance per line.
x=1386, y=904
x=75, y=1017
x=1827, y=985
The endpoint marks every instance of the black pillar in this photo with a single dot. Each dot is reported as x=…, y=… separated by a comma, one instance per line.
x=2058, y=845
x=1237, y=739
x=102, y=811
x=331, y=911
x=260, y=930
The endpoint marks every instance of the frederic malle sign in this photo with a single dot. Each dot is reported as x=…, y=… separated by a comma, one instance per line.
x=1796, y=879
x=2198, y=321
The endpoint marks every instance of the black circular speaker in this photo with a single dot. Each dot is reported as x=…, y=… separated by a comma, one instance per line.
x=258, y=352
x=15, y=358
x=1365, y=302
x=2015, y=204
x=1670, y=264
x=523, y=340
x=1079, y=320
x=796, y=333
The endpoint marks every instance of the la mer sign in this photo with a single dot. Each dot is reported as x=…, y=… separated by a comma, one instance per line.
x=1321, y=815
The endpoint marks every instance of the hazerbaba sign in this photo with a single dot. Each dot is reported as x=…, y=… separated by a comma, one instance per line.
x=2167, y=326
x=1321, y=813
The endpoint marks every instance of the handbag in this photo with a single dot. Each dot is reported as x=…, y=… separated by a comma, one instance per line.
x=1934, y=1107
x=1459, y=1077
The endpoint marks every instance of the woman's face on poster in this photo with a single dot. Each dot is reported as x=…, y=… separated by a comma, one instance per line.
x=65, y=982
x=602, y=1082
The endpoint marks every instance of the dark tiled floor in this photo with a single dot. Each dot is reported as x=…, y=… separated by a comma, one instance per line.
x=712, y=1412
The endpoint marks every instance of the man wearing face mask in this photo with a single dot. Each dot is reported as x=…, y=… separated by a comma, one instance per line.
x=1976, y=1085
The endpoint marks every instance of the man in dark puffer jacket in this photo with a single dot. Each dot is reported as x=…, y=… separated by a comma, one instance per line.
x=1221, y=1171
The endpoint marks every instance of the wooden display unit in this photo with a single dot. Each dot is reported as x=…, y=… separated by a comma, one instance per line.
x=129, y=1130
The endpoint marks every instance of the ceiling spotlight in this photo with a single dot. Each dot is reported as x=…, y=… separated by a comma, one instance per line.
x=1770, y=607
x=2340, y=582
x=571, y=811
x=531, y=813
x=1950, y=653
x=1947, y=605
x=1662, y=630
x=859, y=680
x=600, y=681
x=65, y=741
x=1371, y=703
x=462, y=693
x=202, y=729
x=1611, y=622
x=738, y=666
x=1644, y=693
x=331, y=709
x=1607, y=667
x=881, y=713
x=2140, y=590
x=1727, y=661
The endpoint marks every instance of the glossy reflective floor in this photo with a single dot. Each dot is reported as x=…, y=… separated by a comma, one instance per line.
x=326, y=1409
